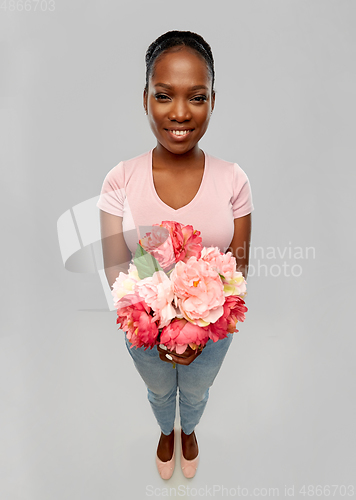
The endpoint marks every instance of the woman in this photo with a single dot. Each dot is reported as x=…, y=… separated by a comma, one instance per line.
x=177, y=181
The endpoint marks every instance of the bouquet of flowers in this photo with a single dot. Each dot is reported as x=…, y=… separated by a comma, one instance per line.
x=178, y=293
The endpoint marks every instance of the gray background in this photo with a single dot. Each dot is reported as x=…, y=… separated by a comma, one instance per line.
x=75, y=420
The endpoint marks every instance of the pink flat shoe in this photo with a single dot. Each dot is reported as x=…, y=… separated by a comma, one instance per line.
x=189, y=467
x=166, y=469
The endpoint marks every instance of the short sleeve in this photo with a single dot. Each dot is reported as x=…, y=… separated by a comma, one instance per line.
x=112, y=195
x=242, y=196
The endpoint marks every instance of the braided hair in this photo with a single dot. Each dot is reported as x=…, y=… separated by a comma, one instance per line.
x=178, y=38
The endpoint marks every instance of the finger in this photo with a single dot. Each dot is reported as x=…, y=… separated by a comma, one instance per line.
x=168, y=358
x=163, y=351
x=181, y=356
x=184, y=359
x=186, y=354
x=163, y=358
x=176, y=359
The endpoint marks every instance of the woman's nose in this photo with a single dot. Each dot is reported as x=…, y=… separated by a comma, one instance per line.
x=179, y=111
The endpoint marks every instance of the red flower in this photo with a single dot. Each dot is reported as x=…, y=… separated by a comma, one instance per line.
x=234, y=311
x=186, y=240
x=133, y=315
x=179, y=333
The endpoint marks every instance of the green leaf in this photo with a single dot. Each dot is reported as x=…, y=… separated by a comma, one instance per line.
x=221, y=276
x=146, y=264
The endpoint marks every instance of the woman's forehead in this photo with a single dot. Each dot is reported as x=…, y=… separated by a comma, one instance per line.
x=182, y=64
x=179, y=53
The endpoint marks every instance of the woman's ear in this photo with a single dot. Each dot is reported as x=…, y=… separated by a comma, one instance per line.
x=212, y=100
x=145, y=100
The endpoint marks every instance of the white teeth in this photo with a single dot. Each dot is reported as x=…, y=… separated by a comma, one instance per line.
x=180, y=132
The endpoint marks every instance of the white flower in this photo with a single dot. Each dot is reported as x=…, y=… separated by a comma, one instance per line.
x=124, y=284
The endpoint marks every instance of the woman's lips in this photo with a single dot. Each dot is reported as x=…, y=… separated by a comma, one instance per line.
x=179, y=137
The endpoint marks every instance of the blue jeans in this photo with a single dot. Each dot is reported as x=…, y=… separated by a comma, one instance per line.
x=193, y=381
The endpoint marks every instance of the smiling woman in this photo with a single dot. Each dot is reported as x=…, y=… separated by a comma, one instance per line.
x=177, y=181
x=179, y=99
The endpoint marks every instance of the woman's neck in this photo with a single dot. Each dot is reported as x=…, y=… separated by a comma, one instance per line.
x=162, y=158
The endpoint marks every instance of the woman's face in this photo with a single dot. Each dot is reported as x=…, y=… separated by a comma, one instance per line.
x=179, y=98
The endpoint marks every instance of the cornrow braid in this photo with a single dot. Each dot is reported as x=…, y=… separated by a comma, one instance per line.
x=173, y=39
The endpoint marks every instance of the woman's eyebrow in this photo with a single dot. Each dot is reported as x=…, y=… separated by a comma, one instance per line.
x=195, y=87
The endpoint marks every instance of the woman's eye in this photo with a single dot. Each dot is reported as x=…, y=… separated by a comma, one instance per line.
x=161, y=96
x=199, y=98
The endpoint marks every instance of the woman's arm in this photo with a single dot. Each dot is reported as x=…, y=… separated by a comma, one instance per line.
x=115, y=252
x=240, y=244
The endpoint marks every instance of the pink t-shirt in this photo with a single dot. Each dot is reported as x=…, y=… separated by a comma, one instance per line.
x=224, y=194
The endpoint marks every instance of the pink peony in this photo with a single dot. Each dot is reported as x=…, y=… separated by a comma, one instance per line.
x=199, y=291
x=225, y=264
x=222, y=263
x=171, y=242
x=159, y=244
x=133, y=314
x=157, y=291
x=180, y=332
x=234, y=311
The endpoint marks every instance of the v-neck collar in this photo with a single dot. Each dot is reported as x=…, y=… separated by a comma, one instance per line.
x=196, y=197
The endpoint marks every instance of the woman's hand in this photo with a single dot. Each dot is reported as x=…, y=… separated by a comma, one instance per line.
x=187, y=357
